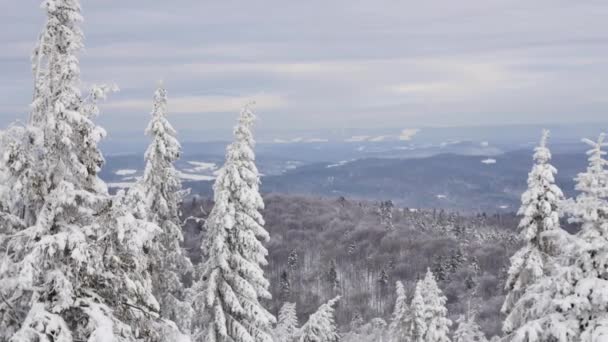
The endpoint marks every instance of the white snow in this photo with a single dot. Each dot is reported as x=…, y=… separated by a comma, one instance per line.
x=317, y=140
x=489, y=161
x=408, y=134
x=194, y=177
x=125, y=172
x=379, y=138
x=121, y=185
x=441, y=196
x=201, y=166
x=299, y=140
x=484, y=144
x=450, y=142
x=358, y=138
x=340, y=163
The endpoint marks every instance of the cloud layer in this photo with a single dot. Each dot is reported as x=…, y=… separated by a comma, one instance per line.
x=338, y=64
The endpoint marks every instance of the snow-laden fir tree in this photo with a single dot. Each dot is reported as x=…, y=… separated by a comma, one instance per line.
x=570, y=305
x=418, y=326
x=75, y=269
x=540, y=214
x=24, y=183
x=164, y=194
x=287, y=326
x=321, y=326
x=233, y=278
x=400, y=323
x=437, y=323
x=468, y=330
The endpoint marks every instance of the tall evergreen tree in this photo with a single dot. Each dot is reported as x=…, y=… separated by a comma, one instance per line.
x=164, y=194
x=321, y=326
x=570, y=305
x=75, y=269
x=437, y=323
x=287, y=326
x=234, y=280
x=418, y=326
x=540, y=215
x=399, y=328
x=468, y=330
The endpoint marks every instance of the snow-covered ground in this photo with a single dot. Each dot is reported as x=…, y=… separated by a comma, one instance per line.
x=125, y=172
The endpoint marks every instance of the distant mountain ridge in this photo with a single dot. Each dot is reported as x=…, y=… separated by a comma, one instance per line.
x=467, y=183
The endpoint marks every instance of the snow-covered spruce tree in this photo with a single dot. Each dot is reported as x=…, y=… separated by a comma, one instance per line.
x=468, y=330
x=164, y=194
x=78, y=272
x=24, y=184
x=233, y=278
x=287, y=326
x=418, y=326
x=399, y=328
x=570, y=305
x=437, y=323
x=540, y=214
x=321, y=326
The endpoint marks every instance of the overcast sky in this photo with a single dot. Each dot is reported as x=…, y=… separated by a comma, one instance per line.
x=331, y=63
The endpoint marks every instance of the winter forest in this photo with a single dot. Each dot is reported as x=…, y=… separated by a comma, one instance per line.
x=157, y=262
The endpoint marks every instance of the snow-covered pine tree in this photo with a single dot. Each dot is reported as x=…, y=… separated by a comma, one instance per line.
x=399, y=329
x=164, y=194
x=418, y=326
x=78, y=271
x=24, y=181
x=570, y=305
x=540, y=214
x=468, y=330
x=321, y=326
x=584, y=298
x=287, y=326
x=437, y=323
x=233, y=278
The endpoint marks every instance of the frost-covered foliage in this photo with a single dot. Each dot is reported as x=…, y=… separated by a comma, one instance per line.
x=23, y=180
x=418, y=326
x=373, y=331
x=163, y=196
x=437, y=323
x=400, y=323
x=468, y=330
x=570, y=305
x=540, y=216
x=287, y=326
x=321, y=326
x=73, y=265
x=233, y=278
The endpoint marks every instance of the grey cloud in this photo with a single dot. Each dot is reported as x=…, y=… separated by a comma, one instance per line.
x=333, y=63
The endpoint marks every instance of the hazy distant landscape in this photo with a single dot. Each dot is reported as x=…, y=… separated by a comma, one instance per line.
x=461, y=175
